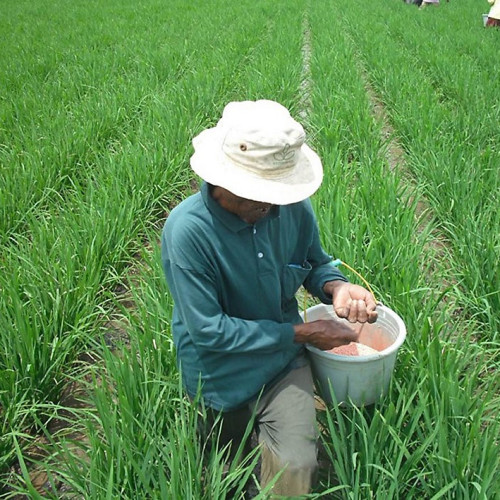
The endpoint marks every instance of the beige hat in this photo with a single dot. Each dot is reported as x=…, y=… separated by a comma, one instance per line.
x=257, y=152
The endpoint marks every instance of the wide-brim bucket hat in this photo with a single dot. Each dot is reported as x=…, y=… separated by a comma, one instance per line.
x=257, y=151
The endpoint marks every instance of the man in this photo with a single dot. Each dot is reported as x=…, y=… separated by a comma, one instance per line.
x=494, y=14
x=234, y=256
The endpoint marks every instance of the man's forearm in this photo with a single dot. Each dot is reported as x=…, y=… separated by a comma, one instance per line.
x=324, y=334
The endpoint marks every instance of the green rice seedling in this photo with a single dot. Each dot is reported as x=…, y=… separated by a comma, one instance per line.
x=413, y=444
x=281, y=79
x=98, y=126
x=76, y=86
x=17, y=419
x=37, y=453
x=166, y=462
x=415, y=294
x=455, y=123
x=363, y=210
x=142, y=435
x=52, y=308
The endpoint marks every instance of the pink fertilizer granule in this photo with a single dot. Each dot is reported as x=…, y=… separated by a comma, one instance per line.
x=353, y=349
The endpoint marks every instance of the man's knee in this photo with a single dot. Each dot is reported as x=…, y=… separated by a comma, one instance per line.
x=297, y=471
x=303, y=456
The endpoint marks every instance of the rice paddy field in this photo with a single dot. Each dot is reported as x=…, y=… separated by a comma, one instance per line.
x=99, y=102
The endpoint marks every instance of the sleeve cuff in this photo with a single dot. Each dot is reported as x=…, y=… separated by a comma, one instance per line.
x=287, y=334
x=327, y=298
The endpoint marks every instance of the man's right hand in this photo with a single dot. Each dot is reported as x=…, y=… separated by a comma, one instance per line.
x=325, y=334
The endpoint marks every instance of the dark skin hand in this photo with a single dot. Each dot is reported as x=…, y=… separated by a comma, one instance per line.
x=351, y=302
x=324, y=334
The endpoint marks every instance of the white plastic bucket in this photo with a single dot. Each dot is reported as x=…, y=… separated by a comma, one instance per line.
x=358, y=380
x=485, y=19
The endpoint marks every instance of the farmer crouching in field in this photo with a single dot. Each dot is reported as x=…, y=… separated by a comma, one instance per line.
x=234, y=256
x=494, y=14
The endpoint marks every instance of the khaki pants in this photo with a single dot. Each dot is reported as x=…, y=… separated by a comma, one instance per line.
x=285, y=422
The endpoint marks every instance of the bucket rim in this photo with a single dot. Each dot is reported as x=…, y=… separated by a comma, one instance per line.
x=394, y=347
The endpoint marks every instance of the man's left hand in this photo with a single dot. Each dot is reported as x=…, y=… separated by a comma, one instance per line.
x=352, y=302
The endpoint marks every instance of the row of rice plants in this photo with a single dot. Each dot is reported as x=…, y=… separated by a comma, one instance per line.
x=65, y=95
x=442, y=109
x=413, y=444
x=61, y=259
x=140, y=432
x=135, y=178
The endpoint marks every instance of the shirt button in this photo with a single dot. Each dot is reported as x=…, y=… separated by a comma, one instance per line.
x=260, y=255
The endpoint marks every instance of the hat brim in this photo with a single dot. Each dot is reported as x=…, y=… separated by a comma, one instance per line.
x=214, y=167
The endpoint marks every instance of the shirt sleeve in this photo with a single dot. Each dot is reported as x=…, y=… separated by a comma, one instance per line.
x=196, y=297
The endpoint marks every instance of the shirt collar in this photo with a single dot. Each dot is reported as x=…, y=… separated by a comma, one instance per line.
x=230, y=220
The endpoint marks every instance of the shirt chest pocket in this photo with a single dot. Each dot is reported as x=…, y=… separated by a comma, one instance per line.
x=293, y=277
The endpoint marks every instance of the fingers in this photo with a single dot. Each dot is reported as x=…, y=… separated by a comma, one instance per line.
x=358, y=310
x=341, y=334
x=355, y=304
x=342, y=301
x=326, y=334
x=372, y=313
x=337, y=333
x=371, y=308
x=353, y=310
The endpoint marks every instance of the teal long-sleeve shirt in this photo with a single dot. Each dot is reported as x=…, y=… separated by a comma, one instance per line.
x=234, y=286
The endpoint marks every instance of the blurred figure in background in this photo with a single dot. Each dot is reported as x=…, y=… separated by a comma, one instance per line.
x=425, y=3
x=494, y=14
